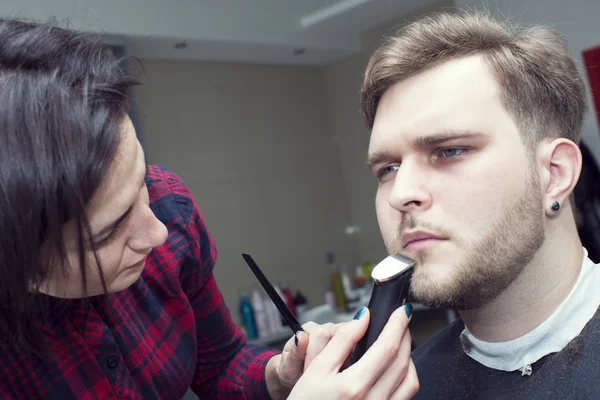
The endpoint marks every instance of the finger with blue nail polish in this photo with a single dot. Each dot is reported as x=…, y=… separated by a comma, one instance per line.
x=360, y=312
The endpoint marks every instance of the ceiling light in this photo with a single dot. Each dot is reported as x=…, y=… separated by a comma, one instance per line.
x=330, y=12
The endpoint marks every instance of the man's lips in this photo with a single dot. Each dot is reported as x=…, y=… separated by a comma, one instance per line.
x=418, y=239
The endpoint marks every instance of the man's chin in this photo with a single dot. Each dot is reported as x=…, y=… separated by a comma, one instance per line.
x=443, y=294
x=432, y=286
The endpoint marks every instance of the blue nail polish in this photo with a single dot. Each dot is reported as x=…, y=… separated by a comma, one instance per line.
x=408, y=309
x=360, y=312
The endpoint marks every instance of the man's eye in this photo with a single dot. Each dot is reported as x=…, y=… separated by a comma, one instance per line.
x=386, y=170
x=450, y=152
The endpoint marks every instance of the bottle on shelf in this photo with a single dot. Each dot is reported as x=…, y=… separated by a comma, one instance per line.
x=330, y=299
x=359, y=277
x=337, y=286
x=367, y=268
x=260, y=313
x=349, y=288
x=280, y=322
x=288, y=297
x=273, y=316
x=247, y=315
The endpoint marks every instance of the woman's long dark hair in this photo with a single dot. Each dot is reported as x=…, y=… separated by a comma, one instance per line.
x=63, y=97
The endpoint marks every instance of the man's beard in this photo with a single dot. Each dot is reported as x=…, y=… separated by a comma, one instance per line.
x=489, y=265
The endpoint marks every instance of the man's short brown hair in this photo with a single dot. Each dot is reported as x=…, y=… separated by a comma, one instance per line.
x=540, y=85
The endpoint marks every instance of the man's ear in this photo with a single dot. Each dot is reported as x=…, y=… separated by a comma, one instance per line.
x=561, y=165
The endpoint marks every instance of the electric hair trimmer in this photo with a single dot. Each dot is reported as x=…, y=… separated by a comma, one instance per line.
x=391, y=279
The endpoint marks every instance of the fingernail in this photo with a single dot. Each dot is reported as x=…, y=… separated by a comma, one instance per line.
x=296, y=338
x=408, y=308
x=360, y=312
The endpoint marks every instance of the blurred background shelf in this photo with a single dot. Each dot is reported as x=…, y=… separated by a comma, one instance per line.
x=422, y=317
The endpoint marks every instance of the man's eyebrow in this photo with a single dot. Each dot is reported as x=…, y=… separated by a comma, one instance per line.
x=443, y=137
x=376, y=157
x=424, y=142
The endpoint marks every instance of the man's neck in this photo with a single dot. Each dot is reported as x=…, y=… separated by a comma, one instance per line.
x=542, y=286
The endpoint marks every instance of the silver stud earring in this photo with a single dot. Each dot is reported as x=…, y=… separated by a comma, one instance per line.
x=555, y=206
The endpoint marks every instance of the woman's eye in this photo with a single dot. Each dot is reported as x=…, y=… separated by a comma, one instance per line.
x=111, y=236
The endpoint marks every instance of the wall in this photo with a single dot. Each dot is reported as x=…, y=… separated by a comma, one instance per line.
x=342, y=82
x=577, y=20
x=253, y=144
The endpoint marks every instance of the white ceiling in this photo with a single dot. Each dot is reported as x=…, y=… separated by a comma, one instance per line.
x=266, y=31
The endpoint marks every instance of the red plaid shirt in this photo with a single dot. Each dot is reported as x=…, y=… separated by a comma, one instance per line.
x=170, y=330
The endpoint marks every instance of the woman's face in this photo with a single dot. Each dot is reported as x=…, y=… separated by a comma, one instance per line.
x=124, y=228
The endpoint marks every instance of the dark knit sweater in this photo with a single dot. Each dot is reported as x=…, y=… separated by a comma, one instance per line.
x=446, y=372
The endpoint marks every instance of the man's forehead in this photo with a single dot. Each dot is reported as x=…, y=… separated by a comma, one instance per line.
x=451, y=96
